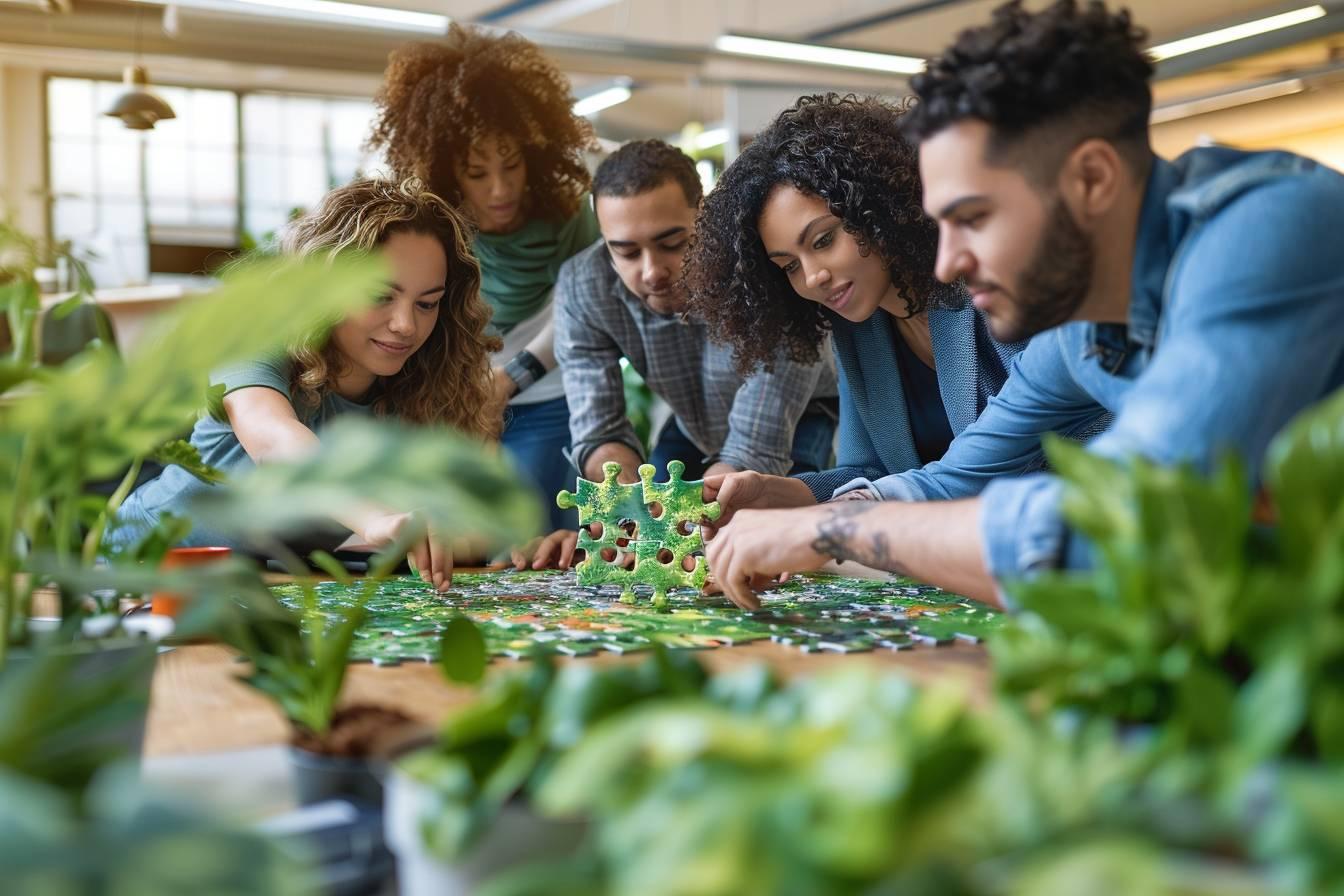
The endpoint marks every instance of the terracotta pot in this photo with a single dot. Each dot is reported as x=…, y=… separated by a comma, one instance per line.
x=167, y=603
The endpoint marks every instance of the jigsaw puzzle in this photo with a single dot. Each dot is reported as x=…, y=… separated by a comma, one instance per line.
x=519, y=612
x=646, y=534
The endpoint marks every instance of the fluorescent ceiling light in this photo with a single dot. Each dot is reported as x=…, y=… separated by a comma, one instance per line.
x=547, y=15
x=603, y=99
x=1229, y=100
x=1235, y=33
x=818, y=55
x=323, y=11
x=711, y=138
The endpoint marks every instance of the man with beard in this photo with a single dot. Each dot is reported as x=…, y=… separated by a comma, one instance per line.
x=620, y=298
x=1198, y=300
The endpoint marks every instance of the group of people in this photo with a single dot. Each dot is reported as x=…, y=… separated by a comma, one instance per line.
x=944, y=281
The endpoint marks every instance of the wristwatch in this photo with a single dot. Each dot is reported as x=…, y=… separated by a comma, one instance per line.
x=524, y=369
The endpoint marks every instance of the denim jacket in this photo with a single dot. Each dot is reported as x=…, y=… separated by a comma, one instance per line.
x=1235, y=324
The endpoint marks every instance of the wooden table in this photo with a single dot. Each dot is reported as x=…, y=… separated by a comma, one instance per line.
x=198, y=705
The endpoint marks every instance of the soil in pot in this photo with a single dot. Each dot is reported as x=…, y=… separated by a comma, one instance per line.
x=348, y=761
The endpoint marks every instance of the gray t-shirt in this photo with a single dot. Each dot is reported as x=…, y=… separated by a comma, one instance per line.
x=219, y=448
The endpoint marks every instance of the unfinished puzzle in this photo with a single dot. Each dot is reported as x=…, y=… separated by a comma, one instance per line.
x=656, y=522
x=519, y=612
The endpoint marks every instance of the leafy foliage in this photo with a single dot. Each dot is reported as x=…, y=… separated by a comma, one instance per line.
x=504, y=742
x=451, y=482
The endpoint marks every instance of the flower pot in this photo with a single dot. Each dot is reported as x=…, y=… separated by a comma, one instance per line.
x=517, y=835
x=319, y=777
x=167, y=603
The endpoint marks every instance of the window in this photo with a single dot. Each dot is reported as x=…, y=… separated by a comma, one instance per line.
x=116, y=191
x=295, y=149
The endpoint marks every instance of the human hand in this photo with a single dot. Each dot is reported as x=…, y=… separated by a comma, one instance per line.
x=554, y=550
x=751, y=490
x=758, y=547
x=429, y=555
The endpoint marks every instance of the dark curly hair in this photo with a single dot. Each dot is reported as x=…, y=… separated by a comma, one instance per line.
x=643, y=165
x=439, y=98
x=847, y=151
x=1065, y=74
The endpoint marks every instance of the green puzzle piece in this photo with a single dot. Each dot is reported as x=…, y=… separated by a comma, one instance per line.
x=662, y=540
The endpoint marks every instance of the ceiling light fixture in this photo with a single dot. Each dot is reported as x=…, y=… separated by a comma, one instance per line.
x=327, y=12
x=603, y=99
x=1235, y=33
x=816, y=54
x=138, y=107
x=1229, y=100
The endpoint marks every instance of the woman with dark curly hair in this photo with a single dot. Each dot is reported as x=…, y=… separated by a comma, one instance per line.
x=487, y=121
x=817, y=227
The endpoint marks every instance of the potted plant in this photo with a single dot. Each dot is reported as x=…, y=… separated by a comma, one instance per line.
x=458, y=810
x=299, y=659
x=97, y=416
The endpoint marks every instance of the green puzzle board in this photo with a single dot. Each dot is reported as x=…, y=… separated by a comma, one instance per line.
x=519, y=610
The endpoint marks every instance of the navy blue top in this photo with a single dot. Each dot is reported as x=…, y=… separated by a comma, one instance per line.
x=923, y=402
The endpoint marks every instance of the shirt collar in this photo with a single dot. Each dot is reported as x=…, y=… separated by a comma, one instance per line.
x=1152, y=254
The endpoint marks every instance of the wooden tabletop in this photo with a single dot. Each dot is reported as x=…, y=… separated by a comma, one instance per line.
x=198, y=706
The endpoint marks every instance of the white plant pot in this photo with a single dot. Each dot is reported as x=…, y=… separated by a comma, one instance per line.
x=518, y=835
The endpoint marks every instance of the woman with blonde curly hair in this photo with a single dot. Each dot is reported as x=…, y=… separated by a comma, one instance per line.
x=420, y=354
x=487, y=121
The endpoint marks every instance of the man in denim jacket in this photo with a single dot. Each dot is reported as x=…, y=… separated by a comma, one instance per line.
x=1200, y=301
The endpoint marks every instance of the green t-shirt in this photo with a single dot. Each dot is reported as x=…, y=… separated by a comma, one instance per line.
x=219, y=448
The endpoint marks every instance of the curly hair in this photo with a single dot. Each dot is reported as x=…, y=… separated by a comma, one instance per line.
x=1069, y=73
x=448, y=379
x=643, y=165
x=439, y=98
x=848, y=152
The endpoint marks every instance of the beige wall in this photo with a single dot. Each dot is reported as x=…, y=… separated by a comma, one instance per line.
x=21, y=146
x=1310, y=123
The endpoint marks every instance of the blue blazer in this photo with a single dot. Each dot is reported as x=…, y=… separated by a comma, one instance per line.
x=875, y=438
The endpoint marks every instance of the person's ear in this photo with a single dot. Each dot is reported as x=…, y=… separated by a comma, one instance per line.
x=1092, y=179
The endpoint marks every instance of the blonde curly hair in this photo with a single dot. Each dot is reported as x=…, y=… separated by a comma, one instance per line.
x=448, y=379
x=439, y=98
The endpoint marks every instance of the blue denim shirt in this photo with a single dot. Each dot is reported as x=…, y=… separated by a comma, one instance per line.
x=1236, y=323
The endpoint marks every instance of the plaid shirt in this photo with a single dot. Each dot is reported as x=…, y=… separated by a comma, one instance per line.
x=746, y=422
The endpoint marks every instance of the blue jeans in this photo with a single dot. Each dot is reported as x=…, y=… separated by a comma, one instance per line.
x=811, y=447
x=536, y=437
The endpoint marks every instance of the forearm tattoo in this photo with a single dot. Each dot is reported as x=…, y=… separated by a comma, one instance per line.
x=838, y=537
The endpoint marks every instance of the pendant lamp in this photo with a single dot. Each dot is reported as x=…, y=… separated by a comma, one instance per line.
x=138, y=107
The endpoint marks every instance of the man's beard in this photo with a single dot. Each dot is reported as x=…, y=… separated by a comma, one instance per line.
x=1054, y=284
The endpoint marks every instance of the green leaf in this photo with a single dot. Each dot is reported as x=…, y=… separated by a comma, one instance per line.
x=332, y=567
x=462, y=653
x=1305, y=472
x=185, y=455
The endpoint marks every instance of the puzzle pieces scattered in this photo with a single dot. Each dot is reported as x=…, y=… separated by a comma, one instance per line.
x=657, y=524
x=520, y=612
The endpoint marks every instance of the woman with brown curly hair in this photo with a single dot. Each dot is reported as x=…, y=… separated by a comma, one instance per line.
x=420, y=354
x=817, y=227
x=488, y=122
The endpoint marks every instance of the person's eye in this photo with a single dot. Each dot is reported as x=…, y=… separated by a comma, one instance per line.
x=384, y=299
x=510, y=166
x=790, y=268
x=428, y=306
x=973, y=220
x=676, y=248
x=628, y=256
x=824, y=240
x=475, y=175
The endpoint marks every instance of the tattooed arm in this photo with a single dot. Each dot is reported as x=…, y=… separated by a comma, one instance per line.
x=934, y=541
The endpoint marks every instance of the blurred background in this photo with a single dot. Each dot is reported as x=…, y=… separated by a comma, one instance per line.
x=273, y=97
